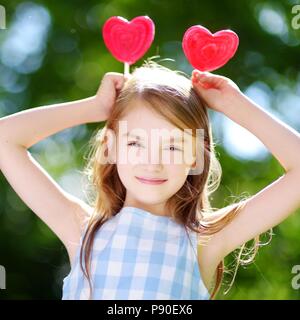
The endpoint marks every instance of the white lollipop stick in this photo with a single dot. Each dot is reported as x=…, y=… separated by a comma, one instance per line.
x=126, y=69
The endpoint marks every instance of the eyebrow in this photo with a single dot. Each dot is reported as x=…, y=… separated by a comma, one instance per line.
x=179, y=139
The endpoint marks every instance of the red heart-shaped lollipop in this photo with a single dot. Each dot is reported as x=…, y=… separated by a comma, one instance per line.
x=206, y=51
x=127, y=40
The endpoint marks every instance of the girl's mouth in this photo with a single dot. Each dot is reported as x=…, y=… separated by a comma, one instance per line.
x=151, y=181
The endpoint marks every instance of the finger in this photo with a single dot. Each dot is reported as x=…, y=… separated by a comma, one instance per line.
x=124, y=79
x=200, y=89
x=211, y=81
x=118, y=82
x=114, y=74
x=205, y=77
x=201, y=84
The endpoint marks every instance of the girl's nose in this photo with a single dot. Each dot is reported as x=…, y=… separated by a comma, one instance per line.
x=154, y=156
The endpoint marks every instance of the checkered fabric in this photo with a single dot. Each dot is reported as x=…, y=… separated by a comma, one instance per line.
x=139, y=255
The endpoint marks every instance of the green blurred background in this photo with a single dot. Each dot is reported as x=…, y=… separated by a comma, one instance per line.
x=53, y=51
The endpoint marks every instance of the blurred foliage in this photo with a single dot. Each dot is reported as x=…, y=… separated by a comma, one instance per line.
x=73, y=61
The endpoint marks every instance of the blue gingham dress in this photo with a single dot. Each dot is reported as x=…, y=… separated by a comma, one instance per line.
x=139, y=255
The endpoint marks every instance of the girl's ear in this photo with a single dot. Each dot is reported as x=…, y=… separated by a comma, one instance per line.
x=197, y=167
x=194, y=165
x=191, y=167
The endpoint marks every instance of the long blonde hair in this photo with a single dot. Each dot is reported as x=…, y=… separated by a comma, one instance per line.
x=171, y=95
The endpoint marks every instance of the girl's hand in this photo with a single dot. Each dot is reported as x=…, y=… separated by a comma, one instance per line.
x=218, y=92
x=109, y=89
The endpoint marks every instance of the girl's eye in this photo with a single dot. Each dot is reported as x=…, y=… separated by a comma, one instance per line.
x=175, y=149
x=133, y=143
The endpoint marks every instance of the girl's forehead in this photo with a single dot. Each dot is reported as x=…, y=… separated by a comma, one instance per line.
x=146, y=121
x=140, y=112
x=143, y=122
x=172, y=134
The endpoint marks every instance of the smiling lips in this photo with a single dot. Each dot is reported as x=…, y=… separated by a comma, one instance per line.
x=151, y=181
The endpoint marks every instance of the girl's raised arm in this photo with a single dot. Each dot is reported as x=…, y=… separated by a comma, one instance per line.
x=62, y=212
x=278, y=200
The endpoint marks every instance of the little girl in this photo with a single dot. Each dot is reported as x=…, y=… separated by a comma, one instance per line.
x=150, y=232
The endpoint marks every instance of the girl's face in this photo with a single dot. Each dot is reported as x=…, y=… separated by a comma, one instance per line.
x=153, y=155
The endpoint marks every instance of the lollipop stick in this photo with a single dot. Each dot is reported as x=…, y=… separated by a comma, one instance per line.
x=126, y=68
